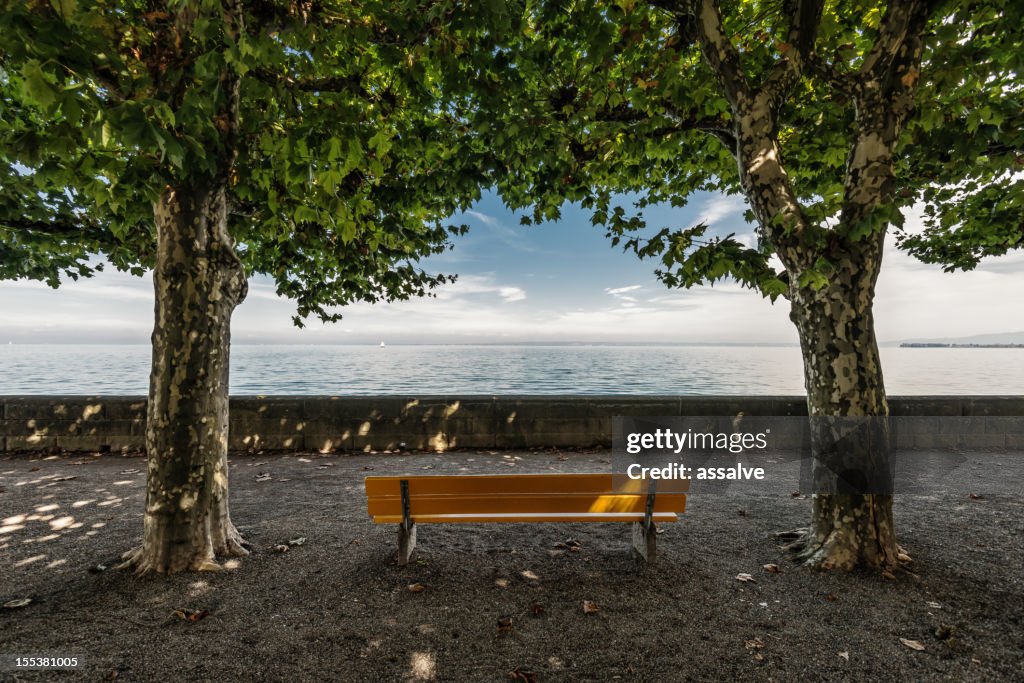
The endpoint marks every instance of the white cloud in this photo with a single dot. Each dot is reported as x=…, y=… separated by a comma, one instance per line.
x=483, y=218
x=719, y=207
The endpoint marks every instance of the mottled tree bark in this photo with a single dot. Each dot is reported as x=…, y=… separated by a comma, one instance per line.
x=851, y=523
x=198, y=282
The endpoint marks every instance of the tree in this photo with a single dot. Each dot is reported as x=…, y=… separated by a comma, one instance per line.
x=210, y=140
x=830, y=119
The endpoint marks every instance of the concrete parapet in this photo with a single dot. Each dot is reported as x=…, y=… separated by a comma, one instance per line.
x=375, y=423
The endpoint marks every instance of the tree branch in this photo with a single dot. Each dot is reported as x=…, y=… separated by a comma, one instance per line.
x=804, y=20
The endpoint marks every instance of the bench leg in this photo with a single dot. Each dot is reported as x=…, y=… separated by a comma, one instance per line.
x=406, y=542
x=645, y=543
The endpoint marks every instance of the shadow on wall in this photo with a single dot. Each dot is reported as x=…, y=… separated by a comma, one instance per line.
x=435, y=423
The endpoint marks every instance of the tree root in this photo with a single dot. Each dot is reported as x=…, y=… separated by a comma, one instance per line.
x=231, y=543
x=141, y=565
x=836, y=552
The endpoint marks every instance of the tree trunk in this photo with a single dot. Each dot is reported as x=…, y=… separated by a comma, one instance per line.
x=852, y=523
x=198, y=281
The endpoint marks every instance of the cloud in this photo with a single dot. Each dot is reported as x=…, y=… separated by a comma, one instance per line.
x=623, y=290
x=719, y=207
x=483, y=218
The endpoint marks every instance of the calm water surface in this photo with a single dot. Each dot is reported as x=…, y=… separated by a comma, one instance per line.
x=363, y=370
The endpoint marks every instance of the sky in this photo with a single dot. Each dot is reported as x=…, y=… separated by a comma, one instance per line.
x=557, y=282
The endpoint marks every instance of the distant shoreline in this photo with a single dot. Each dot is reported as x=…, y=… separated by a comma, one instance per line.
x=935, y=345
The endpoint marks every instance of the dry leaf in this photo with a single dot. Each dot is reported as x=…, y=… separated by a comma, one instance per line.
x=192, y=615
x=280, y=548
x=297, y=541
x=831, y=597
x=976, y=496
x=521, y=674
x=935, y=605
x=590, y=607
x=845, y=655
x=536, y=609
x=771, y=568
x=913, y=644
x=758, y=656
x=263, y=476
x=745, y=578
x=501, y=583
x=416, y=587
x=753, y=644
x=528, y=574
x=505, y=625
x=20, y=602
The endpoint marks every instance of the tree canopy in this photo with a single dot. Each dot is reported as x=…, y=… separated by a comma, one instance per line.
x=627, y=97
x=341, y=166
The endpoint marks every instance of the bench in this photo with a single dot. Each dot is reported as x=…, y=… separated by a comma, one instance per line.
x=436, y=499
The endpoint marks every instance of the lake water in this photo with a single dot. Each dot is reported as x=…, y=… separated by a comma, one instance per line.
x=453, y=369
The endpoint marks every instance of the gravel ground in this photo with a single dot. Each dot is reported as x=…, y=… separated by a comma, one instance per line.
x=498, y=602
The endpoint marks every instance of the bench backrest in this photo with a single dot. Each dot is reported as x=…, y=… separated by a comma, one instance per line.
x=522, y=497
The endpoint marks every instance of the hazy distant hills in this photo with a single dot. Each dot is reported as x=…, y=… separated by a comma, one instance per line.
x=997, y=338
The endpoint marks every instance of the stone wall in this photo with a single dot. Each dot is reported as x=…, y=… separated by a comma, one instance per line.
x=327, y=423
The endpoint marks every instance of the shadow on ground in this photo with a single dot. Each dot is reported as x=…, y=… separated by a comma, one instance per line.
x=497, y=600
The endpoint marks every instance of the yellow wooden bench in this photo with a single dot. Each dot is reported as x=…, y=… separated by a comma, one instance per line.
x=407, y=501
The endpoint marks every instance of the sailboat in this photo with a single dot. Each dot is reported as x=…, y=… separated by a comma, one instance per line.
x=382, y=345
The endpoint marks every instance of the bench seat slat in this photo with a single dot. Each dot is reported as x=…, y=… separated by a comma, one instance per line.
x=529, y=517
x=524, y=503
x=485, y=484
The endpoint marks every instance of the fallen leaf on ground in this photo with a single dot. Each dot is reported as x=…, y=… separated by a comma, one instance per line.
x=97, y=568
x=831, y=597
x=190, y=614
x=590, y=607
x=935, y=605
x=741, y=512
x=280, y=548
x=367, y=468
x=888, y=575
x=297, y=541
x=521, y=674
x=127, y=471
x=976, y=496
x=845, y=655
x=745, y=578
x=501, y=583
x=913, y=644
x=20, y=602
x=758, y=656
x=416, y=587
x=771, y=568
x=505, y=625
x=263, y=476
x=536, y=609
x=753, y=644
x=529, y=574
